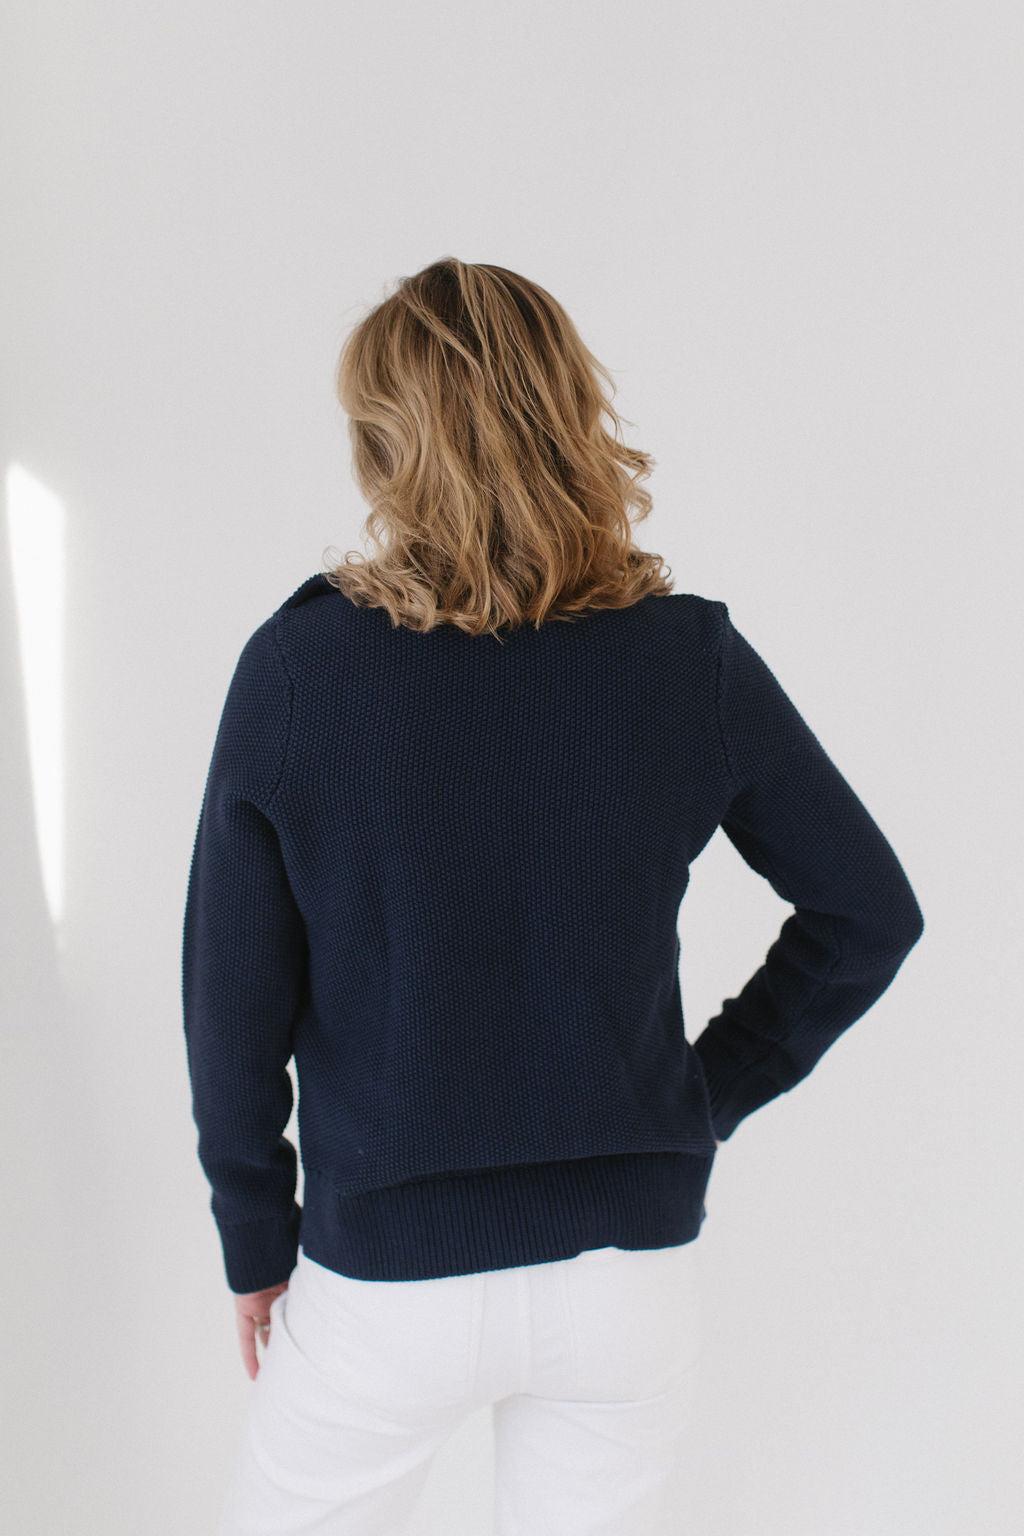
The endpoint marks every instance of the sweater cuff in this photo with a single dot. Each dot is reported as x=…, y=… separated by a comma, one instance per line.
x=261, y=1254
x=735, y=1088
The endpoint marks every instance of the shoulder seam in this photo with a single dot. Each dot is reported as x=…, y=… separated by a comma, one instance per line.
x=275, y=628
x=723, y=614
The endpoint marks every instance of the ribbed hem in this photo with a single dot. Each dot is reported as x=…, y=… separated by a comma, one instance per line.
x=499, y=1218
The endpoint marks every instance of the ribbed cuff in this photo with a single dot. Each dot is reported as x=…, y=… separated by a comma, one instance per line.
x=735, y=1087
x=261, y=1254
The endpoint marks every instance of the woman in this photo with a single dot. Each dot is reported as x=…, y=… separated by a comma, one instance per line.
x=453, y=802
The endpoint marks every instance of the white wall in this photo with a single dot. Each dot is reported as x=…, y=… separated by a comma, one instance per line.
x=794, y=233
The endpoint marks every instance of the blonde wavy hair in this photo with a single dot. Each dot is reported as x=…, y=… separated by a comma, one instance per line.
x=497, y=497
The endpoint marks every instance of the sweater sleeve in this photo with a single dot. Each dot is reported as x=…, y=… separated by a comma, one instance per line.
x=244, y=972
x=796, y=821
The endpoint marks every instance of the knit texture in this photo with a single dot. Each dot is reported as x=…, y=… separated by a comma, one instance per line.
x=444, y=873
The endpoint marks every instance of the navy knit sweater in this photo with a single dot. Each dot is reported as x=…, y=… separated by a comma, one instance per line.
x=444, y=872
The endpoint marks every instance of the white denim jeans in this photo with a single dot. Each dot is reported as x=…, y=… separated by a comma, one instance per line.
x=590, y=1366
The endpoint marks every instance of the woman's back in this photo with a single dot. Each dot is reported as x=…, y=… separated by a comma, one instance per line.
x=445, y=871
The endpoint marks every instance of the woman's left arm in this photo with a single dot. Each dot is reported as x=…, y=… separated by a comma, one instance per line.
x=244, y=977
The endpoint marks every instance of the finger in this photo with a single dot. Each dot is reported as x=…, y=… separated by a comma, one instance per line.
x=249, y=1330
x=248, y=1342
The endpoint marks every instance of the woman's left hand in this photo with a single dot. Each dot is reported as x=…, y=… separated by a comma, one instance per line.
x=252, y=1315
